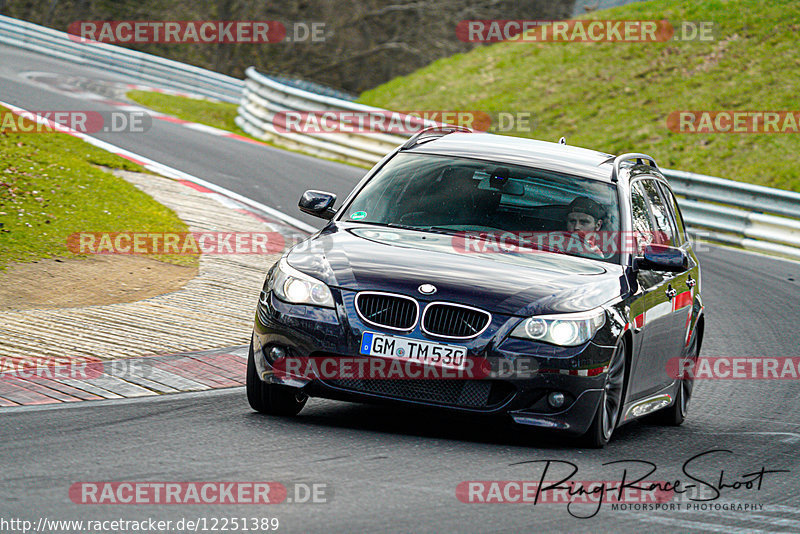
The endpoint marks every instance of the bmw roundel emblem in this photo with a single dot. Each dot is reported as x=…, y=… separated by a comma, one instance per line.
x=427, y=289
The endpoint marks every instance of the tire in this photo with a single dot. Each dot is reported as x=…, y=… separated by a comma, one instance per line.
x=609, y=409
x=272, y=399
x=675, y=414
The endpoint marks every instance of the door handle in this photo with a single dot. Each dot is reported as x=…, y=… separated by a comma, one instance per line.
x=671, y=293
x=691, y=282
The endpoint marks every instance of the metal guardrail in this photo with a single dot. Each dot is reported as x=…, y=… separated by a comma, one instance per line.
x=312, y=87
x=725, y=211
x=742, y=195
x=750, y=216
x=146, y=68
x=264, y=98
x=736, y=213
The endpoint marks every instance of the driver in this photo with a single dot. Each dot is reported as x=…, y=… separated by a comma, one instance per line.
x=584, y=215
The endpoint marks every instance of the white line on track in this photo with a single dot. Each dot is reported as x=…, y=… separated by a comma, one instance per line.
x=750, y=252
x=166, y=397
x=694, y=526
x=771, y=520
x=787, y=437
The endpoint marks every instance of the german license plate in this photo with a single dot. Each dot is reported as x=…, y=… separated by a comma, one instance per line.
x=426, y=352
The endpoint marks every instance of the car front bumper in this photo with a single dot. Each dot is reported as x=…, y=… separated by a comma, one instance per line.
x=519, y=391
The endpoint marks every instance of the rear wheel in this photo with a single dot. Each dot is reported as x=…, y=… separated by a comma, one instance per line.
x=610, y=408
x=675, y=414
x=272, y=399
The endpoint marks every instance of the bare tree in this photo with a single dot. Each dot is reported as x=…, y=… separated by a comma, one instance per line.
x=365, y=43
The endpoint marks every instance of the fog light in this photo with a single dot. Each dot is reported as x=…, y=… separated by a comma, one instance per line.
x=275, y=353
x=556, y=399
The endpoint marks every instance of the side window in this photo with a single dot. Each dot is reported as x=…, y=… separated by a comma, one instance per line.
x=665, y=234
x=676, y=211
x=642, y=225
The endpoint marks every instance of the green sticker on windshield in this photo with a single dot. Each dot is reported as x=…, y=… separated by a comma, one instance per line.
x=358, y=215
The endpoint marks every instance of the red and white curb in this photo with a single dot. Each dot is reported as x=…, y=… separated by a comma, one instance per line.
x=193, y=96
x=131, y=377
x=169, y=118
x=186, y=124
x=192, y=125
x=171, y=373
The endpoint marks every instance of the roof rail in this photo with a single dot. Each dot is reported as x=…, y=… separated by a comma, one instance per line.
x=432, y=132
x=640, y=159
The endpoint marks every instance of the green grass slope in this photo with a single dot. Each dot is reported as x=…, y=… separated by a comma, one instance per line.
x=52, y=185
x=616, y=97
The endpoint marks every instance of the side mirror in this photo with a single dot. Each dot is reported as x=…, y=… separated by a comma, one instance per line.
x=662, y=258
x=318, y=204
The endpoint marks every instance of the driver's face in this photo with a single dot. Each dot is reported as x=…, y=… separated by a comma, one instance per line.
x=582, y=222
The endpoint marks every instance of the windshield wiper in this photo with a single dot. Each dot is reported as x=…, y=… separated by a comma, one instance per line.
x=433, y=229
x=388, y=225
x=443, y=230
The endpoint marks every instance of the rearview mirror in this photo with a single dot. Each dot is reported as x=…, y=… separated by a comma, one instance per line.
x=662, y=258
x=318, y=204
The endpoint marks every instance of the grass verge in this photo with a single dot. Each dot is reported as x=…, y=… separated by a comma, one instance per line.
x=616, y=97
x=51, y=187
x=220, y=115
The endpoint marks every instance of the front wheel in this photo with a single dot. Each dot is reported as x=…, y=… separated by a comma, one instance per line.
x=610, y=407
x=272, y=399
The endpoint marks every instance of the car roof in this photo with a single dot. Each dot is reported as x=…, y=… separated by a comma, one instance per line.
x=519, y=151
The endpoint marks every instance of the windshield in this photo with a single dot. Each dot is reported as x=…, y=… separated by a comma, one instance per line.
x=497, y=206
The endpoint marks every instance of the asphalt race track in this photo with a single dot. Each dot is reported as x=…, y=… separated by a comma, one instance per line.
x=390, y=469
x=271, y=176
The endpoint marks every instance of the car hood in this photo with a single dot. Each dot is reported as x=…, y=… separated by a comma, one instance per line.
x=362, y=257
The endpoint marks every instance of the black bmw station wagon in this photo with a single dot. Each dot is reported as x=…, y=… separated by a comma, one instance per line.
x=489, y=274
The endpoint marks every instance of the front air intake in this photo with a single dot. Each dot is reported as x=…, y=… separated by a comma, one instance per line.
x=454, y=320
x=396, y=312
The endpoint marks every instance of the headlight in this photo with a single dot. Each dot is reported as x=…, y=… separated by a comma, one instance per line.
x=291, y=285
x=567, y=330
